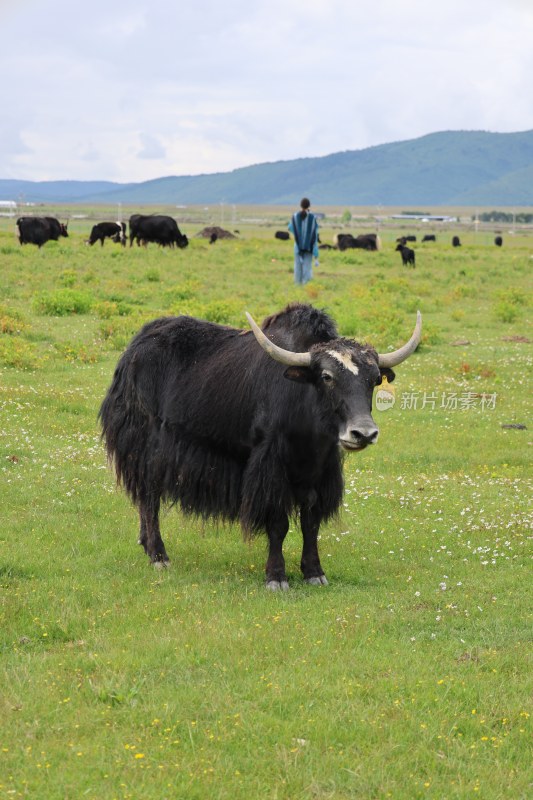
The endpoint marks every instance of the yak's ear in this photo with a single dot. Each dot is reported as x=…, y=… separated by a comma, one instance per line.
x=298, y=374
x=388, y=373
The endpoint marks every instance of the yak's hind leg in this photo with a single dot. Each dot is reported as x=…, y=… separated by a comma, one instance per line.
x=275, y=567
x=310, y=563
x=149, y=533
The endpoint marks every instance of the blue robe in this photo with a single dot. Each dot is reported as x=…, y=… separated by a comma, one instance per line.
x=305, y=233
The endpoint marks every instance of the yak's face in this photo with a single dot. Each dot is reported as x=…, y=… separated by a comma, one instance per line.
x=345, y=375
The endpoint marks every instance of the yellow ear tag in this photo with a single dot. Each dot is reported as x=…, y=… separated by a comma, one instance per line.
x=385, y=395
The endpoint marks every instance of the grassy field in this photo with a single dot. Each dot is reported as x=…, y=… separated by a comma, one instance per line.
x=409, y=676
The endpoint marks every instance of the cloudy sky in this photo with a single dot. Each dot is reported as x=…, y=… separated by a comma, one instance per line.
x=130, y=90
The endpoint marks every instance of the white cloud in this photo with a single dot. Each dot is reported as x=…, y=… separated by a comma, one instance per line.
x=151, y=147
x=132, y=91
x=120, y=26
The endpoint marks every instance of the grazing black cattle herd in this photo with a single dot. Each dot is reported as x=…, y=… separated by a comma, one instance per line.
x=164, y=231
x=158, y=228
x=371, y=241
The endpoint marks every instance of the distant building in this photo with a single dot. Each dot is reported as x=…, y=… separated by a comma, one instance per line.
x=424, y=217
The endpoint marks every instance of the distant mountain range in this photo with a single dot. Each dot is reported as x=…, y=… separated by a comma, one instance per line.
x=451, y=168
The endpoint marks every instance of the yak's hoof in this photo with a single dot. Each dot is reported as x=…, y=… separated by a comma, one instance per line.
x=160, y=564
x=276, y=586
x=318, y=580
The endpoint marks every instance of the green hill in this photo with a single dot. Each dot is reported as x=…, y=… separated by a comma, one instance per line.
x=447, y=168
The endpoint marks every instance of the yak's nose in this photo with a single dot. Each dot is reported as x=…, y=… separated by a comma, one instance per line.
x=360, y=435
x=365, y=434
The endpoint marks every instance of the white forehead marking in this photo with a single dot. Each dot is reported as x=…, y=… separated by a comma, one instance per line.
x=345, y=360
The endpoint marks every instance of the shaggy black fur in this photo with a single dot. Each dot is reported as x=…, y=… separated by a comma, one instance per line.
x=198, y=414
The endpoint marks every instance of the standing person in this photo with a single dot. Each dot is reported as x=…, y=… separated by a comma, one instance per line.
x=304, y=228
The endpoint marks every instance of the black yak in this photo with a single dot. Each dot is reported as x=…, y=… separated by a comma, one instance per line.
x=243, y=425
x=405, y=239
x=116, y=231
x=365, y=241
x=408, y=255
x=39, y=230
x=156, y=228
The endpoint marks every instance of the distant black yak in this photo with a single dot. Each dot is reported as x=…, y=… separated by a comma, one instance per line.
x=156, y=228
x=116, y=231
x=405, y=239
x=243, y=425
x=408, y=255
x=365, y=241
x=39, y=230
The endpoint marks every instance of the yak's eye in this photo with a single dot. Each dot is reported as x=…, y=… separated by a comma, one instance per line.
x=327, y=377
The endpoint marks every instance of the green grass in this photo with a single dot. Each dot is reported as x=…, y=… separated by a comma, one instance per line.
x=409, y=676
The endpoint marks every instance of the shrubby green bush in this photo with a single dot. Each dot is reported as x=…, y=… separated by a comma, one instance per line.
x=225, y=312
x=62, y=302
x=118, y=331
x=105, y=309
x=11, y=321
x=505, y=311
x=510, y=304
x=181, y=291
x=77, y=352
x=68, y=277
x=18, y=353
x=152, y=275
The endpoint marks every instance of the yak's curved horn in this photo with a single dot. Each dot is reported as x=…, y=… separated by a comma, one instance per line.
x=397, y=356
x=275, y=352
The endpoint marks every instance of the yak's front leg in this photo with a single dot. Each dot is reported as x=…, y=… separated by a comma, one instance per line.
x=149, y=533
x=275, y=567
x=310, y=563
